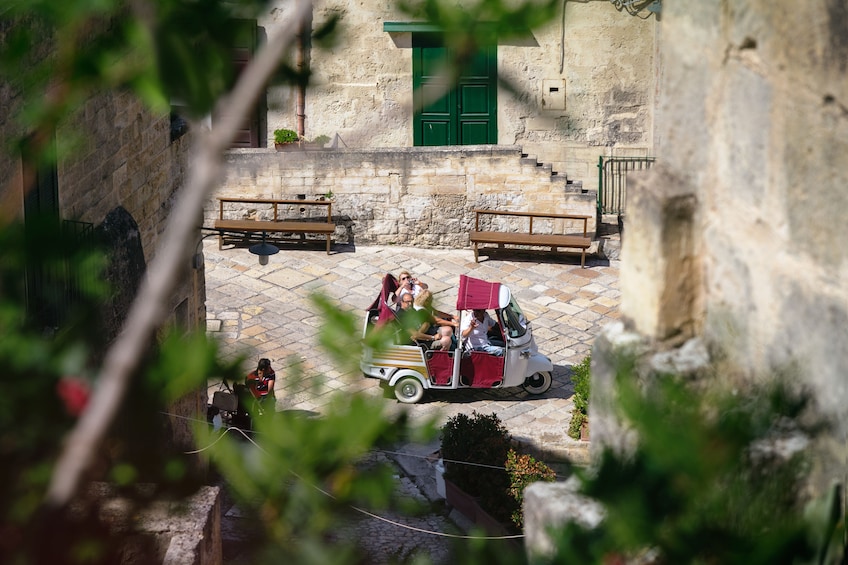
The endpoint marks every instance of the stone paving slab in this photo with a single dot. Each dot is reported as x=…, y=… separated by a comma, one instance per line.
x=266, y=311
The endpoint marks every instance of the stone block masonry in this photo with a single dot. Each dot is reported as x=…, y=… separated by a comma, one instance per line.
x=413, y=196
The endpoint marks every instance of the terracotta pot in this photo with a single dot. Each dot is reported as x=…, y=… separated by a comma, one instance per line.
x=492, y=526
x=294, y=146
x=469, y=506
x=464, y=503
x=584, y=431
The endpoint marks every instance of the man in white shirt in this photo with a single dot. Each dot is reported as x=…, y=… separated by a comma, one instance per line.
x=475, y=328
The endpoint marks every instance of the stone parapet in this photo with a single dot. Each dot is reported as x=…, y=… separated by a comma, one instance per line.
x=419, y=196
x=185, y=532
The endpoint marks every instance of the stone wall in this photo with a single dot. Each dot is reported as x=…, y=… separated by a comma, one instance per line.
x=602, y=60
x=744, y=213
x=184, y=532
x=121, y=158
x=733, y=251
x=422, y=196
x=126, y=160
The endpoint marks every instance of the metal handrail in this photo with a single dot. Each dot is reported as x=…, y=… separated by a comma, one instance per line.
x=612, y=181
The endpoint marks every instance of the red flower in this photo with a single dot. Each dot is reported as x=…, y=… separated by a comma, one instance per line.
x=74, y=392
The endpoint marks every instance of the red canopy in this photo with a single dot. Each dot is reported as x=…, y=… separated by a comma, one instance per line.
x=381, y=303
x=477, y=294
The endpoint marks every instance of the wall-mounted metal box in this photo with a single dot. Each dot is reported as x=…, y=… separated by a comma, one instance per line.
x=553, y=94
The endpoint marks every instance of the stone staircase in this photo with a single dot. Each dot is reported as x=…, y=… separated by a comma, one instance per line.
x=530, y=161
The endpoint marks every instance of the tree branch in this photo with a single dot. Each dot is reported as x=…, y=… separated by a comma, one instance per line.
x=148, y=311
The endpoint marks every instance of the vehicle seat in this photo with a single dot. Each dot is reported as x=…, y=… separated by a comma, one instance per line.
x=439, y=366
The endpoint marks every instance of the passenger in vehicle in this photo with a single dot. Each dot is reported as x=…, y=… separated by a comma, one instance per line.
x=424, y=301
x=413, y=323
x=437, y=321
x=475, y=328
x=444, y=339
x=408, y=285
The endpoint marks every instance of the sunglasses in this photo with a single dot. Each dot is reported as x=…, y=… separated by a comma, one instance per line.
x=404, y=278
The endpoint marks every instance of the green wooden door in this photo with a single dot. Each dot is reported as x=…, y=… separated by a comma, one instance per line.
x=247, y=40
x=465, y=114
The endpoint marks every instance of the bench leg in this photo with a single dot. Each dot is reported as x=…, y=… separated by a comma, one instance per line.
x=328, y=245
x=476, y=257
x=583, y=259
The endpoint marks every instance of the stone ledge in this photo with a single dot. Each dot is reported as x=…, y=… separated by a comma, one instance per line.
x=184, y=532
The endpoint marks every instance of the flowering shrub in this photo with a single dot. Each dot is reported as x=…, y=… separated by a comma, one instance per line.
x=524, y=469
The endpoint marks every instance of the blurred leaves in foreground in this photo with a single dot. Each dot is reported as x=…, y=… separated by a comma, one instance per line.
x=717, y=476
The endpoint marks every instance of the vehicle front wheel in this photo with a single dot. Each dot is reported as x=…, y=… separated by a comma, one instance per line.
x=538, y=383
x=409, y=390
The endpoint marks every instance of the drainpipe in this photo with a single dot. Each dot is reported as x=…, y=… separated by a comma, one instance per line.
x=300, y=111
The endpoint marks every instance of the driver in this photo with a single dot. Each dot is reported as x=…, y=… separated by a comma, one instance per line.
x=475, y=328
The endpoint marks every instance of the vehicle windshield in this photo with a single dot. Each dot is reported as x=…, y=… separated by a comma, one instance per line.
x=514, y=319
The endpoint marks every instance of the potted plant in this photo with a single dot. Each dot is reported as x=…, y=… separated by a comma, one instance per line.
x=483, y=441
x=320, y=141
x=283, y=138
x=581, y=378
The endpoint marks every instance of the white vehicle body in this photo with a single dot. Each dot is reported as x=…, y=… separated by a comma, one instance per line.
x=413, y=369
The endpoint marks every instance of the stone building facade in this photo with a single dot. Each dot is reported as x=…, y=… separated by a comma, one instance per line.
x=583, y=88
x=584, y=84
x=121, y=179
x=733, y=249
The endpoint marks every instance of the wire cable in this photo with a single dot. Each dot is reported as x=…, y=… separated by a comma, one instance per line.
x=388, y=521
x=356, y=508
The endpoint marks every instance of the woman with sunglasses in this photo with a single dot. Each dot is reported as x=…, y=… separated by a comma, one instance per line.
x=408, y=284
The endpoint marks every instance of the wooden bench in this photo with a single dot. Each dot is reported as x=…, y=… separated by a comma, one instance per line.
x=528, y=237
x=276, y=224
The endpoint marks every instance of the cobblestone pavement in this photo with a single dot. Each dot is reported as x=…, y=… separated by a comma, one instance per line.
x=265, y=311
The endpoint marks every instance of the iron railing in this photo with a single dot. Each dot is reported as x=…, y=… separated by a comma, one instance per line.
x=612, y=181
x=55, y=284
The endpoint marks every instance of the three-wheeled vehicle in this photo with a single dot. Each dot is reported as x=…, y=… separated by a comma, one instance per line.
x=412, y=369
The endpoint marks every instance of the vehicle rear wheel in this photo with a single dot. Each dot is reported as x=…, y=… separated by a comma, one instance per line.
x=409, y=390
x=538, y=383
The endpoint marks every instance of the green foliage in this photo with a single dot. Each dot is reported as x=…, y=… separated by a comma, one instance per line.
x=51, y=342
x=523, y=470
x=283, y=136
x=301, y=475
x=705, y=483
x=482, y=440
x=581, y=377
x=321, y=140
x=184, y=364
x=576, y=424
x=174, y=50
